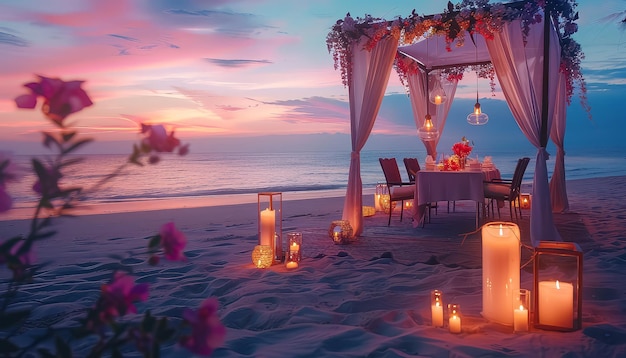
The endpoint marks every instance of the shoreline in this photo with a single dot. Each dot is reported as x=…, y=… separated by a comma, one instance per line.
x=23, y=211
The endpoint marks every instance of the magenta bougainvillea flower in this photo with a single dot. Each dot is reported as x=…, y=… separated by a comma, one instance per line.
x=207, y=331
x=117, y=297
x=173, y=242
x=60, y=98
x=159, y=140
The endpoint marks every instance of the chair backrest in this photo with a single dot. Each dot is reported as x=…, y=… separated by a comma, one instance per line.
x=518, y=175
x=391, y=171
x=412, y=167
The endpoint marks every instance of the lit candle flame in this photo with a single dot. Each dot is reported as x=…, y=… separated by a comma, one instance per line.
x=521, y=307
x=501, y=233
x=558, y=287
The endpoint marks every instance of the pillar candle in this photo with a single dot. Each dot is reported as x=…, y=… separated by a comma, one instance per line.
x=437, y=99
x=556, y=304
x=455, y=324
x=437, y=314
x=268, y=227
x=520, y=319
x=501, y=271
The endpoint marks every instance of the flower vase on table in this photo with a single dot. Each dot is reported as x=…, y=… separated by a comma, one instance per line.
x=462, y=150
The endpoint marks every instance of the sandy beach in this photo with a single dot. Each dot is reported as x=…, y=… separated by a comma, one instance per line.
x=370, y=298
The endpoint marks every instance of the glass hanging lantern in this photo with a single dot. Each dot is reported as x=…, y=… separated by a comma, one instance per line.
x=477, y=117
x=437, y=95
x=428, y=131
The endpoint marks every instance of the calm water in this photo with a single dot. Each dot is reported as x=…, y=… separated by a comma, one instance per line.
x=201, y=175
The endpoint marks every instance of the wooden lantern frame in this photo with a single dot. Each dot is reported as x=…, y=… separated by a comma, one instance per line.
x=559, y=249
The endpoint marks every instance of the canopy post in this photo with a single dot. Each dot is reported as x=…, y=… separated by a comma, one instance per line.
x=546, y=71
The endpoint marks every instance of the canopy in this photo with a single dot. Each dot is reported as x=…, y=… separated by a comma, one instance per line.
x=526, y=55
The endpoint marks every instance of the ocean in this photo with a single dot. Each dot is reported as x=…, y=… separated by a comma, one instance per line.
x=228, y=174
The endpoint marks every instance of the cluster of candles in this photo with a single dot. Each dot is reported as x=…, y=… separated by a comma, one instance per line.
x=454, y=313
x=263, y=255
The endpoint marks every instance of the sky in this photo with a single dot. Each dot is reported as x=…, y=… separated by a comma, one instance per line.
x=255, y=74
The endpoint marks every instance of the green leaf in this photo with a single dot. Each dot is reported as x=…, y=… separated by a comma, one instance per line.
x=154, y=242
x=77, y=145
x=67, y=136
x=49, y=139
x=63, y=349
x=148, y=322
x=8, y=319
x=7, y=346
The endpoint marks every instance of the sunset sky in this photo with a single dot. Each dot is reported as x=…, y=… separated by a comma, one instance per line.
x=217, y=70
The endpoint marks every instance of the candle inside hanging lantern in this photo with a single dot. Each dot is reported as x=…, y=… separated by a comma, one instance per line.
x=501, y=270
x=340, y=231
x=262, y=256
x=558, y=275
x=436, y=308
x=520, y=313
x=454, y=317
x=270, y=211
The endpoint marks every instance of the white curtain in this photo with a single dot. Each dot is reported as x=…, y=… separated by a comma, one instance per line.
x=558, y=190
x=419, y=101
x=519, y=69
x=370, y=75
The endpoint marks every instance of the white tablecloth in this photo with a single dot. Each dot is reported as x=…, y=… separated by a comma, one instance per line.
x=433, y=186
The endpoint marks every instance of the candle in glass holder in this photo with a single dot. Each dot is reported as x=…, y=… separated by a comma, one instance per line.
x=520, y=313
x=436, y=308
x=454, y=322
x=556, y=304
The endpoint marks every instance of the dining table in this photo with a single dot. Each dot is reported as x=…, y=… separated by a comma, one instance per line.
x=440, y=185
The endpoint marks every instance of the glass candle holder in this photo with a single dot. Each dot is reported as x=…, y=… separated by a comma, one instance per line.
x=520, y=313
x=294, y=250
x=436, y=308
x=340, y=231
x=454, y=317
x=262, y=256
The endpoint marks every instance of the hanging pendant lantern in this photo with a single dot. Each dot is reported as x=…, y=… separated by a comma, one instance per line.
x=477, y=117
x=437, y=96
x=428, y=131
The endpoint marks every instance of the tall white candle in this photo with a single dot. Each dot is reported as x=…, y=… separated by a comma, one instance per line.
x=268, y=227
x=556, y=304
x=520, y=319
x=501, y=271
x=437, y=314
x=455, y=324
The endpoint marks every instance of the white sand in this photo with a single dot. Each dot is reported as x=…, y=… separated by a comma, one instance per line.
x=370, y=298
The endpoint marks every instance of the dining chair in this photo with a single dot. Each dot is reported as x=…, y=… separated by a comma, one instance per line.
x=398, y=190
x=507, y=189
x=412, y=166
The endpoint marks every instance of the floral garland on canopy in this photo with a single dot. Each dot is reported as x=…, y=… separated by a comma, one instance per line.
x=473, y=16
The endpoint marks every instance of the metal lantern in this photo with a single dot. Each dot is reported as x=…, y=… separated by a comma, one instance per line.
x=381, y=189
x=524, y=200
x=270, y=211
x=558, y=280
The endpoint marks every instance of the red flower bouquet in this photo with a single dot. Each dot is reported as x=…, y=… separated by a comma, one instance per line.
x=462, y=148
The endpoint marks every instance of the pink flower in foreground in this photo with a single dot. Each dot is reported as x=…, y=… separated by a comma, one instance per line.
x=60, y=98
x=117, y=298
x=157, y=138
x=207, y=331
x=173, y=242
